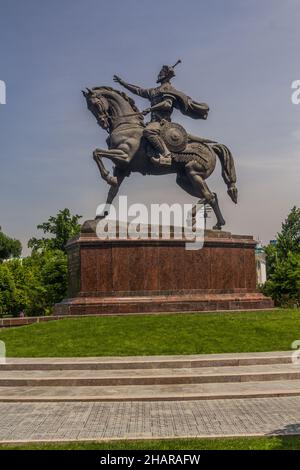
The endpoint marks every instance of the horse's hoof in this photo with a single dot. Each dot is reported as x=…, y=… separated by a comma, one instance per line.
x=101, y=216
x=233, y=193
x=112, y=181
x=217, y=227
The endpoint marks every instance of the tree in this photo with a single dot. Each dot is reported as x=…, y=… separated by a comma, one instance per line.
x=289, y=238
x=271, y=258
x=45, y=276
x=284, y=284
x=283, y=263
x=34, y=284
x=54, y=276
x=17, y=269
x=7, y=290
x=9, y=247
x=61, y=228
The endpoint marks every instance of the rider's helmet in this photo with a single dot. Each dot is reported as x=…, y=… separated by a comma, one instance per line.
x=167, y=71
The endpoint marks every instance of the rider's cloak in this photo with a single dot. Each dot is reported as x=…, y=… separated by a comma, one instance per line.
x=186, y=104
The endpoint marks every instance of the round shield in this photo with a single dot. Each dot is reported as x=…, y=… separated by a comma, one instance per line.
x=174, y=136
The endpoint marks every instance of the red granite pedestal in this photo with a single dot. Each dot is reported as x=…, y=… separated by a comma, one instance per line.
x=118, y=276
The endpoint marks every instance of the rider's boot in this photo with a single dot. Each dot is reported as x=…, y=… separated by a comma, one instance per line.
x=164, y=155
x=165, y=160
x=162, y=160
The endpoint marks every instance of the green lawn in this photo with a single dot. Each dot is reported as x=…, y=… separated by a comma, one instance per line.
x=246, y=443
x=156, y=334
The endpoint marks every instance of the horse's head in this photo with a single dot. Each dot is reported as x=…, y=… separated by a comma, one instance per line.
x=112, y=107
x=99, y=106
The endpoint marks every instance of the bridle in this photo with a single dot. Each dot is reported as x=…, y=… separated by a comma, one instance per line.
x=103, y=111
x=105, y=114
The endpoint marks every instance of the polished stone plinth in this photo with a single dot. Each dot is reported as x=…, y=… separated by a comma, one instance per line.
x=116, y=276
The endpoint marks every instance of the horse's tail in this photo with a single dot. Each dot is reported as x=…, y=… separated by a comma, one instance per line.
x=228, y=169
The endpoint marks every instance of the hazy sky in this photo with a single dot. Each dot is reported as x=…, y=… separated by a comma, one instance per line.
x=240, y=56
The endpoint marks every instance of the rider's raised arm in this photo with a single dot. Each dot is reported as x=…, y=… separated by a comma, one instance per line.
x=137, y=90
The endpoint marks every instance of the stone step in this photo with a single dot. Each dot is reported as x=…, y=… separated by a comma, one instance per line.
x=147, y=362
x=220, y=374
x=206, y=391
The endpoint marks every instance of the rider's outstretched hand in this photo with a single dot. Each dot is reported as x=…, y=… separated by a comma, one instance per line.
x=117, y=79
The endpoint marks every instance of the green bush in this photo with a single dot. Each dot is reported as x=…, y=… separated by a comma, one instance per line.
x=47, y=281
x=34, y=284
x=7, y=291
x=283, y=263
x=9, y=247
x=284, y=284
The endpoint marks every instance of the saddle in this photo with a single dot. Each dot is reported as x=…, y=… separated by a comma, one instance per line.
x=183, y=147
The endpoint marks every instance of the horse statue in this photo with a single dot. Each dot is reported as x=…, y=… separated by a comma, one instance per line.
x=193, y=159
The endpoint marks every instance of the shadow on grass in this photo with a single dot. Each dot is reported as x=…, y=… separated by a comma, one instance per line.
x=287, y=437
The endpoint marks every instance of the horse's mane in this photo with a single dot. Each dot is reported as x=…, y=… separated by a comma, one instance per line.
x=121, y=93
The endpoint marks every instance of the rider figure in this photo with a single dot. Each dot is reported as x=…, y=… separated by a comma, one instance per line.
x=162, y=105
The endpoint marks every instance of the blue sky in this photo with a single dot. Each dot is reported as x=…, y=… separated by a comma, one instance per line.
x=240, y=56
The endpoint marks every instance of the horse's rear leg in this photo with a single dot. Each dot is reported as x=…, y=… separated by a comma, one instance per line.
x=183, y=181
x=200, y=187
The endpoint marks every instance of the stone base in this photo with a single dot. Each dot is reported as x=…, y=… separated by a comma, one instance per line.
x=181, y=303
x=118, y=276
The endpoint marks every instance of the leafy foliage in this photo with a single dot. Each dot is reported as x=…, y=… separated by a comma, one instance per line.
x=288, y=241
x=9, y=247
x=283, y=263
x=271, y=258
x=34, y=284
x=284, y=283
x=7, y=289
x=61, y=228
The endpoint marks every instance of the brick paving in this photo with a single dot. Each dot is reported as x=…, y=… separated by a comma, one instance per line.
x=162, y=419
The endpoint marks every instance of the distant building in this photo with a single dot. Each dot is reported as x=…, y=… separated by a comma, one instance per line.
x=261, y=268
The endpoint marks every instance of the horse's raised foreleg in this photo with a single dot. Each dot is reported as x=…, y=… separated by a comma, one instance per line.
x=199, y=185
x=105, y=174
x=115, y=156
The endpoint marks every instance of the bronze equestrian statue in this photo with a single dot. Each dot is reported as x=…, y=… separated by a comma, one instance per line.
x=159, y=147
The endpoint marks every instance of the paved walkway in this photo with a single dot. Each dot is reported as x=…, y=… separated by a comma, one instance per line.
x=96, y=420
x=63, y=399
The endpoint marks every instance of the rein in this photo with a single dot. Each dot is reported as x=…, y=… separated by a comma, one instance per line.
x=117, y=122
x=129, y=126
